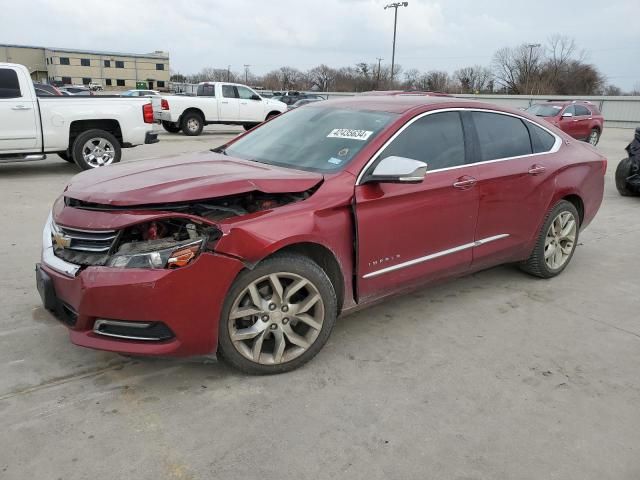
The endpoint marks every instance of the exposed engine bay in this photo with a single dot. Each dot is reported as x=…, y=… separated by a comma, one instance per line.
x=153, y=244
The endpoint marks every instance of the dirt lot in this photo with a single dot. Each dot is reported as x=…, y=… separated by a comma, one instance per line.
x=495, y=376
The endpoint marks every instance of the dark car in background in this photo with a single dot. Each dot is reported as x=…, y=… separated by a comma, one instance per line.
x=580, y=119
x=46, y=90
x=305, y=101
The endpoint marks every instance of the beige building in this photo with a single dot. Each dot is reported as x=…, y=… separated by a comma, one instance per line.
x=118, y=71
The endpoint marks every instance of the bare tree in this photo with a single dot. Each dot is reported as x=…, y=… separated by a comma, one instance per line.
x=473, y=79
x=519, y=69
x=322, y=77
x=412, y=79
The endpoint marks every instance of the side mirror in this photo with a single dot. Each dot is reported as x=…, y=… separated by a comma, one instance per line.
x=255, y=97
x=397, y=170
x=567, y=115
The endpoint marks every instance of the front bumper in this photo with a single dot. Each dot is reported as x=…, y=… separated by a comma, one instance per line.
x=188, y=301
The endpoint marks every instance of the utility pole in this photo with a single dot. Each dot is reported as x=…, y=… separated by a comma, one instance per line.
x=395, y=6
x=530, y=46
x=378, y=79
x=228, y=73
x=246, y=73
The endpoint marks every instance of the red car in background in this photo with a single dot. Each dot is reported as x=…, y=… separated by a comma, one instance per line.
x=254, y=248
x=582, y=120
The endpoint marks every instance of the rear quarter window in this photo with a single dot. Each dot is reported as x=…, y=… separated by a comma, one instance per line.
x=541, y=140
x=9, y=85
x=501, y=136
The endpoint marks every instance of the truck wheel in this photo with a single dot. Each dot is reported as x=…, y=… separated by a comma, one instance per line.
x=277, y=316
x=95, y=148
x=170, y=127
x=556, y=243
x=249, y=126
x=192, y=124
x=65, y=156
x=622, y=173
x=271, y=115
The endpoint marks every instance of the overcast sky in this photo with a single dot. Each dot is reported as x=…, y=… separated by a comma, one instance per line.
x=445, y=34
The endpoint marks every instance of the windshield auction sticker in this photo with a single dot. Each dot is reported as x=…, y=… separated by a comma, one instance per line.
x=349, y=133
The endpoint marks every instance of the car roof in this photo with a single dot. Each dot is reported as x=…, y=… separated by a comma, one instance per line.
x=396, y=103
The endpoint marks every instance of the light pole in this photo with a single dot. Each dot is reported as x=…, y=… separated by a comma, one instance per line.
x=378, y=78
x=530, y=46
x=395, y=6
x=246, y=73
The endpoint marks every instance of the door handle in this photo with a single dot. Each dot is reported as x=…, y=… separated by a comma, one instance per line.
x=536, y=169
x=20, y=107
x=465, y=182
x=224, y=102
x=243, y=103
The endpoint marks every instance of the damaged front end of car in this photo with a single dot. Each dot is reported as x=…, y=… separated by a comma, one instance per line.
x=170, y=237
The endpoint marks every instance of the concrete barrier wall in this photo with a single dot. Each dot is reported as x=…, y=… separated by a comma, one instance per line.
x=619, y=112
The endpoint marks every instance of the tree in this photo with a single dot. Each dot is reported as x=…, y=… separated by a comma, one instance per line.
x=322, y=77
x=612, y=90
x=473, y=79
x=518, y=69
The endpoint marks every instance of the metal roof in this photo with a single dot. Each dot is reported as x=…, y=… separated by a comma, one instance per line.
x=91, y=52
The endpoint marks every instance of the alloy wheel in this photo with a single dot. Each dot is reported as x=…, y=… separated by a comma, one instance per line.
x=193, y=125
x=593, y=138
x=560, y=240
x=98, y=152
x=276, y=318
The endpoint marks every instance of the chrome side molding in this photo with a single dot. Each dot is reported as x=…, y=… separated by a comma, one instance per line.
x=435, y=255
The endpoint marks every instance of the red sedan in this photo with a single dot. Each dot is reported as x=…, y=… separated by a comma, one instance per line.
x=581, y=120
x=253, y=249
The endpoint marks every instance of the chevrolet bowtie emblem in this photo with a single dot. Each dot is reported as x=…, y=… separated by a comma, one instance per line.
x=61, y=241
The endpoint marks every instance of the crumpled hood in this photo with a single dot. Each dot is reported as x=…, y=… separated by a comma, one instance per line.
x=192, y=176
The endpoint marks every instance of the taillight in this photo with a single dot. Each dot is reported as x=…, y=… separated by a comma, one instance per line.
x=164, y=104
x=147, y=113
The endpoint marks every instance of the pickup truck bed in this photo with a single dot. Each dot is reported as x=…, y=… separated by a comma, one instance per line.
x=87, y=130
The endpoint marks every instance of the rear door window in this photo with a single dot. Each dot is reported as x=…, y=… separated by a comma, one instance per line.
x=570, y=109
x=500, y=136
x=435, y=139
x=582, y=111
x=206, y=90
x=9, y=84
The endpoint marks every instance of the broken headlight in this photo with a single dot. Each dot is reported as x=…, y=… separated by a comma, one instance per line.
x=161, y=253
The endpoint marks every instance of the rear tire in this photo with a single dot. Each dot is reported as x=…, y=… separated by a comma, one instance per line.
x=623, y=171
x=170, y=127
x=249, y=126
x=271, y=115
x=108, y=152
x=554, y=249
x=299, y=320
x=192, y=124
x=594, y=137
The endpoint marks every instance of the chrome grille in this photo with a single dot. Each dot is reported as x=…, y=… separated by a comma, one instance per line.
x=93, y=241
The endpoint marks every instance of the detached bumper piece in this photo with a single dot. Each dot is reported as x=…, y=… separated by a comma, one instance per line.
x=51, y=302
x=151, y=137
x=139, y=331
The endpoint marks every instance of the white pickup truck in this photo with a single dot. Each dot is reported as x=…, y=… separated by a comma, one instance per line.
x=90, y=131
x=217, y=102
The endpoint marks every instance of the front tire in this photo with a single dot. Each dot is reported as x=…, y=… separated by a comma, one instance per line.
x=170, y=127
x=556, y=243
x=96, y=148
x=623, y=171
x=277, y=316
x=192, y=124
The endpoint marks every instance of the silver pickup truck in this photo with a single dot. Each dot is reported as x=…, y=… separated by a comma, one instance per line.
x=90, y=131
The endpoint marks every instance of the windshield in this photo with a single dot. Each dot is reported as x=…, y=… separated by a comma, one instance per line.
x=544, y=110
x=319, y=139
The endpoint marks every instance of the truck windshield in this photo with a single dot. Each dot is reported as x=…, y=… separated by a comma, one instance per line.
x=544, y=110
x=312, y=138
